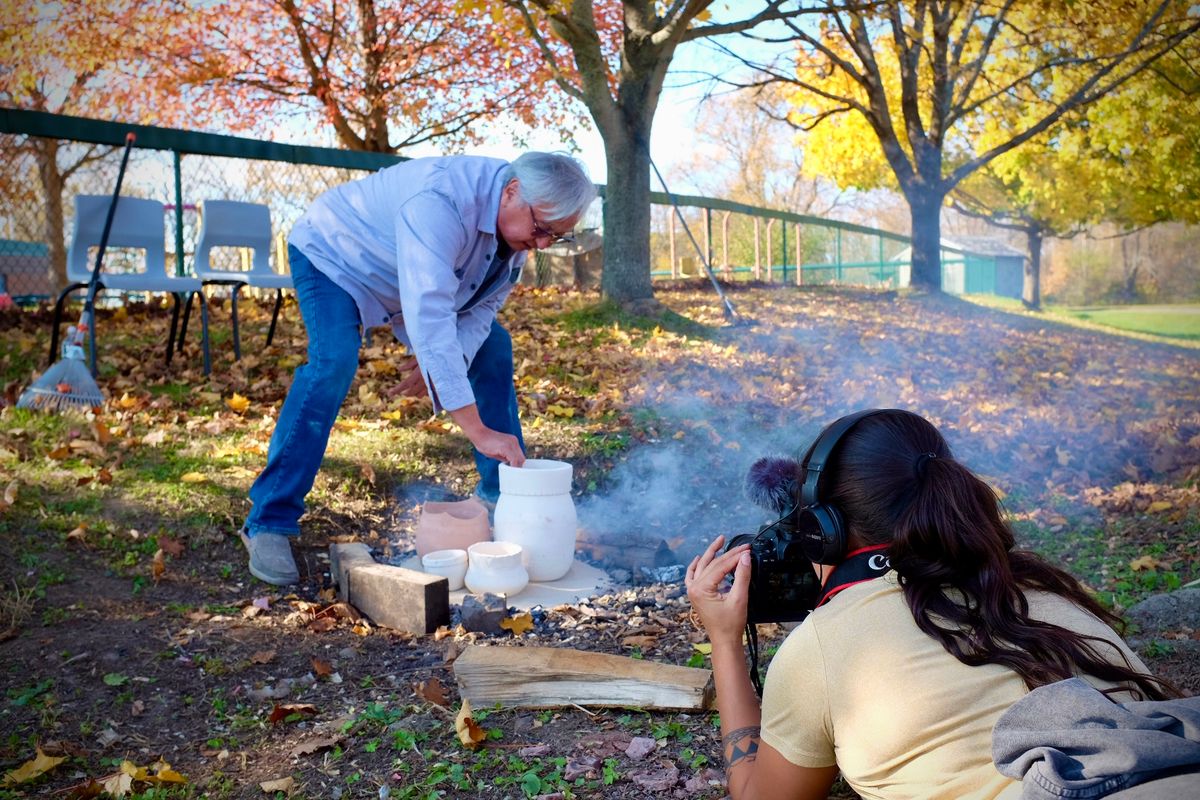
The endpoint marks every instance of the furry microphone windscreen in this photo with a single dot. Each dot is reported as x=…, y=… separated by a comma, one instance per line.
x=773, y=483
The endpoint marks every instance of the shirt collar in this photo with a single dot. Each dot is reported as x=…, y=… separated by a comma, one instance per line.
x=487, y=221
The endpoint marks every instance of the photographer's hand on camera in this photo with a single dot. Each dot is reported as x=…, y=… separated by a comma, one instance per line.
x=723, y=614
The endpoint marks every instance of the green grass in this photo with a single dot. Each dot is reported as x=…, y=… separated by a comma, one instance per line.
x=1177, y=324
x=1179, y=321
x=608, y=313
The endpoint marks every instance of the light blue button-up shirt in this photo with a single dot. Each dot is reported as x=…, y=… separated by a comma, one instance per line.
x=412, y=245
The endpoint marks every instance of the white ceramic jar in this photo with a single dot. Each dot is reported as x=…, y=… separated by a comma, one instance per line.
x=535, y=510
x=495, y=567
x=450, y=564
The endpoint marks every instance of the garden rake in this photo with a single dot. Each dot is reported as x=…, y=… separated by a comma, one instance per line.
x=69, y=382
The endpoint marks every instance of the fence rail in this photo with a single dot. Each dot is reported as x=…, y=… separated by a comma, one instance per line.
x=47, y=159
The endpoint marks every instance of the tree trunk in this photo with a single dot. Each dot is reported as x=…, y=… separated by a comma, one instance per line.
x=46, y=152
x=1031, y=290
x=626, y=276
x=926, y=210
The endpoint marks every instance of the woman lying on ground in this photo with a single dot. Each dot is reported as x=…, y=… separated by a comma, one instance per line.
x=897, y=681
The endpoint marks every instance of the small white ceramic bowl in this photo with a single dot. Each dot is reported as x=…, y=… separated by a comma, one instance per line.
x=496, y=567
x=450, y=564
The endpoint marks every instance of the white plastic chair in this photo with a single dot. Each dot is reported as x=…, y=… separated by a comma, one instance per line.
x=137, y=224
x=230, y=223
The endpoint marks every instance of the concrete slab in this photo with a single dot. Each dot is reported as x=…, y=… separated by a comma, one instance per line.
x=581, y=582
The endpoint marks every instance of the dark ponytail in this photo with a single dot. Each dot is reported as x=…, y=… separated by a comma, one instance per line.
x=896, y=482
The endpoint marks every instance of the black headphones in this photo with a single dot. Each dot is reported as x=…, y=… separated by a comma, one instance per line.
x=819, y=527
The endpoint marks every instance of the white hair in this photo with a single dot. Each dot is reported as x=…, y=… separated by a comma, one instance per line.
x=557, y=183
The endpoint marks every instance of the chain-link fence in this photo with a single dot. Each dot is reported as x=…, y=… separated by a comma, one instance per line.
x=47, y=160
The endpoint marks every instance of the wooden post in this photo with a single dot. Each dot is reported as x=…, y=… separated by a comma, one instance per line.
x=725, y=242
x=770, y=263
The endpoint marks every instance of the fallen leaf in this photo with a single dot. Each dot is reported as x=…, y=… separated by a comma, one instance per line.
x=172, y=547
x=640, y=641
x=340, y=610
x=155, y=438
x=31, y=769
x=193, y=477
x=158, y=773
x=238, y=404
x=361, y=628
x=322, y=625
x=1064, y=458
x=323, y=669
x=101, y=432
x=104, y=476
x=283, y=711
x=703, y=648
x=311, y=746
x=59, y=453
x=85, y=791
x=10, y=493
x=87, y=446
x=262, y=657
x=469, y=732
x=118, y=784
x=78, y=535
x=433, y=691
x=158, y=566
x=1160, y=505
x=1144, y=562
x=286, y=785
x=368, y=473
x=518, y=624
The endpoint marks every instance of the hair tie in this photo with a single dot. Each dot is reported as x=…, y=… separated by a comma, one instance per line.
x=922, y=460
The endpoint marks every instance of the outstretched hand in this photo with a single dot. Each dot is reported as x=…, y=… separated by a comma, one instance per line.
x=722, y=613
x=412, y=384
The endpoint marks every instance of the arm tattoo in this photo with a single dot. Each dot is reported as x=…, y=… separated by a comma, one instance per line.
x=740, y=745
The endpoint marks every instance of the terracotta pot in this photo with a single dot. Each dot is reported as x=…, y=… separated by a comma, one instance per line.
x=450, y=564
x=452, y=526
x=496, y=567
x=535, y=510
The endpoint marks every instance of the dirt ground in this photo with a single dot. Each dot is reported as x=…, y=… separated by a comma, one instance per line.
x=235, y=684
x=190, y=672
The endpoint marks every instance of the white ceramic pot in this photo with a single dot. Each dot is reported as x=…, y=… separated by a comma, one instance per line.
x=535, y=510
x=450, y=564
x=495, y=567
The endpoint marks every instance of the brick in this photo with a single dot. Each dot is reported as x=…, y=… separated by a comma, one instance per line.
x=393, y=597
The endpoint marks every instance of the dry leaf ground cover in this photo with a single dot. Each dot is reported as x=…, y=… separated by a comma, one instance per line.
x=142, y=660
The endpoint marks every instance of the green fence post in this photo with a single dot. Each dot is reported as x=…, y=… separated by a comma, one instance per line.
x=783, y=230
x=180, y=270
x=838, y=252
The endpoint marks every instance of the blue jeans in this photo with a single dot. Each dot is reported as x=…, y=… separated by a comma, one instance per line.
x=320, y=386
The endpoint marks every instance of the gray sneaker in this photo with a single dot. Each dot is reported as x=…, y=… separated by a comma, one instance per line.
x=271, y=558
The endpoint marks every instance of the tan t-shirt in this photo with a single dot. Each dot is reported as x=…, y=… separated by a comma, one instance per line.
x=859, y=685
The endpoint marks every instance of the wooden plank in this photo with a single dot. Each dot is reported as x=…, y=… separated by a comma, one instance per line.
x=546, y=677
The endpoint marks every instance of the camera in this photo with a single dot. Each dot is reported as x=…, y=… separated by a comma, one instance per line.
x=783, y=585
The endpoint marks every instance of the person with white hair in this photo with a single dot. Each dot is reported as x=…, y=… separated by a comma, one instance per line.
x=431, y=247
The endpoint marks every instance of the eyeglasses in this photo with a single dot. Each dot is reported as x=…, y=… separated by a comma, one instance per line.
x=540, y=231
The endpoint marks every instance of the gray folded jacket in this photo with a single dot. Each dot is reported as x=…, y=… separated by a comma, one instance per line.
x=1068, y=740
